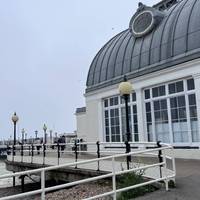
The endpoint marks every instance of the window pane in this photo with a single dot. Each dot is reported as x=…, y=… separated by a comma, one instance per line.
x=190, y=84
x=162, y=90
x=182, y=113
x=192, y=99
x=148, y=117
x=112, y=113
x=179, y=86
x=174, y=114
x=163, y=104
x=155, y=92
x=136, y=137
x=134, y=109
x=172, y=88
x=148, y=107
x=156, y=105
x=111, y=101
x=193, y=112
x=106, y=114
x=106, y=103
x=116, y=100
x=147, y=94
x=181, y=101
x=134, y=96
x=173, y=102
x=164, y=115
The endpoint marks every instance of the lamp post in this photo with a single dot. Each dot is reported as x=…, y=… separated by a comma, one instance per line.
x=36, y=134
x=15, y=119
x=125, y=89
x=50, y=135
x=56, y=136
x=26, y=138
x=23, y=131
x=45, y=133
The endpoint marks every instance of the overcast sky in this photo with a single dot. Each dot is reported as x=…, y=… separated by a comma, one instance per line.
x=46, y=47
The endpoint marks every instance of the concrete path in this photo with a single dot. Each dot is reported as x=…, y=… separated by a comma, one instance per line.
x=187, y=183
x=104, y=165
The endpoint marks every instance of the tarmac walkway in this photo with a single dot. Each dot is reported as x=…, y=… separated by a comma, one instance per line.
x=187, y=183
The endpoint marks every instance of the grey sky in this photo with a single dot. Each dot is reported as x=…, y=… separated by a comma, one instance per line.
x=46, y=47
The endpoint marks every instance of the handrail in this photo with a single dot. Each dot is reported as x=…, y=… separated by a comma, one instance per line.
x=161, y=164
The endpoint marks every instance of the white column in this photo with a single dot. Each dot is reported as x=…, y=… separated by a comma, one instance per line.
x=141, y=116
x=197, y=91
x=100, y=120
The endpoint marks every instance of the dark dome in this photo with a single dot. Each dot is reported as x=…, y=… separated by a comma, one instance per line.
x=175, y=40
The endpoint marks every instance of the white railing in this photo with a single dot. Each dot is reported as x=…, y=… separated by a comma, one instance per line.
x=166, y=175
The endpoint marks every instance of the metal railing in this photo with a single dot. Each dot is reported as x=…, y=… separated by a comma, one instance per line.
x=159, y=151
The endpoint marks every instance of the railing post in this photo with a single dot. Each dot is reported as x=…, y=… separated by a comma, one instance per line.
x=22, y=152
x=43, y=185
x=58, y=149
x=32, y=152
x=76, y=152
x=160, y=158
x=114, y=179
x=44, y=153
x=98, y=154
x=165, y=172
x=128, y=150
x=29, y=150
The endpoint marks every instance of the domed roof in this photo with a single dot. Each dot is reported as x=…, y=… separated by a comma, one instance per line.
x=174, y=40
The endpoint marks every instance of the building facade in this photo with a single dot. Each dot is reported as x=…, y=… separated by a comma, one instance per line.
x=160, y=55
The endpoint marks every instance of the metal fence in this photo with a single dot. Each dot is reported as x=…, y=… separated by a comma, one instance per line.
x=145, y=149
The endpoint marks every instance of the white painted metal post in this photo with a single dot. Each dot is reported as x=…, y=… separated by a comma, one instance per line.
x=173, y=163
x=165, y=171
x=114, y=179
x=43, y=184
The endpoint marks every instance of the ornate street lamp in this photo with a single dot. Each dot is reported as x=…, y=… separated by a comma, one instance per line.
x=15, y=119
x=23, y=131
x=125, y=89
x=45, y=133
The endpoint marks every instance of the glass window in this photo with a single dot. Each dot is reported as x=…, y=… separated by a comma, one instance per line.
x=149, y=121
x=147, y=94
x=179, y=86
x=193, y=118
x=176, y=87
x=134, y=96
x=179, y=119
x=113, y=101
x=190, y=84
x=114, y=117
x=158, y=122
x=115, y=127
x=158, y=91
x=106, y=103
x=155, y=92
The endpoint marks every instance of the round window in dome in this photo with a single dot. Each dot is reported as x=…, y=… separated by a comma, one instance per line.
x=143, y=23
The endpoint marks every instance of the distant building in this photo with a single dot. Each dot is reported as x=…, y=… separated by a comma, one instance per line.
x=160, y=55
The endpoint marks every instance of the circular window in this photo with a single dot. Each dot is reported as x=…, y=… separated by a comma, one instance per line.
x=142, y=23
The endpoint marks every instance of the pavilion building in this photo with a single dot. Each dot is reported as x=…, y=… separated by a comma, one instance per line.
x=160, y=55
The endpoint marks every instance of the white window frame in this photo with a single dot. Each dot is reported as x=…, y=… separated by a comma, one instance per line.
x=167, y=96
x=119, y=106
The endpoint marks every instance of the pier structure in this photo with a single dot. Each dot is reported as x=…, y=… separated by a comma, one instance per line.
x=80, y=162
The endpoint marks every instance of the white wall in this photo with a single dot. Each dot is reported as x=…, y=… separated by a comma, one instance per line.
x=81, y=125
